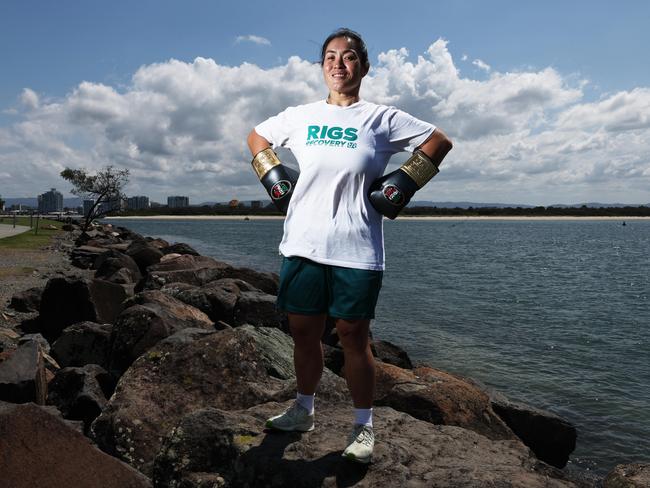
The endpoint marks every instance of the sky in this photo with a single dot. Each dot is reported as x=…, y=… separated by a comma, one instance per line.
x=546, y=102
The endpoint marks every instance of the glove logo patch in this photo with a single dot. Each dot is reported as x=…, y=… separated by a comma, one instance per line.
x=393, y=194
x=280, y=189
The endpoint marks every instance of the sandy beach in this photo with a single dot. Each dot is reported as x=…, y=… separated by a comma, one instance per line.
x=428, y=218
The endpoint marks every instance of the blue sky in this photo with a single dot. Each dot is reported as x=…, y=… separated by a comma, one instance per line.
x=594, y=50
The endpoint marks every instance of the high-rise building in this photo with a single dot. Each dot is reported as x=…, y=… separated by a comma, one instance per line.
x=137, y=202
x=111, y=204
x=51, y=201
x=178, y=202
x=88, y=204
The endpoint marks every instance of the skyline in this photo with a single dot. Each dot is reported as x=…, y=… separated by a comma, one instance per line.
x=545, y=104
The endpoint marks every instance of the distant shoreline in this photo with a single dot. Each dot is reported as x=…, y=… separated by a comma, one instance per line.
x=424, y=218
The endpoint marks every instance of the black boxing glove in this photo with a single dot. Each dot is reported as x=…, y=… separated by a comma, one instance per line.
x=278, y=180
x=390, y=193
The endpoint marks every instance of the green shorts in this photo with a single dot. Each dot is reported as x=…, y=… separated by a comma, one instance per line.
x=311, y=288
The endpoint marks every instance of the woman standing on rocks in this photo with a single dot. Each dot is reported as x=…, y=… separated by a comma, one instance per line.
x=333, y=236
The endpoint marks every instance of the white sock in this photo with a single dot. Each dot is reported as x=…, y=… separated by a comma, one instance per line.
x=306, y=401
x=363, y=416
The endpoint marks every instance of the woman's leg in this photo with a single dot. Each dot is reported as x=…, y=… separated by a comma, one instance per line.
x=307, y=331
x=359, y=363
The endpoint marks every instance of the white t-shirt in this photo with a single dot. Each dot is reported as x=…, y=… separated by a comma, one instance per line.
x=340, y=152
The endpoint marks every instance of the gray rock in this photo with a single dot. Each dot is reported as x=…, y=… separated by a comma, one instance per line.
x=390, y=353
x=149, y=317
x=84, y=257
x=408, y=452
x=45, y=346
x=81, y=393
x=193, y=270
x=83, y=343
x=628, y=476
x=117, y=267
x=40, y=449
x=550, y=437
x=180, y=248
x=257, y=308
x=230, y=369
x=144, y=254
x=27, y=301
x=22, y=375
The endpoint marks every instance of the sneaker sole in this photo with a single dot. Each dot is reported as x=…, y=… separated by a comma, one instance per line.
x=269, y=425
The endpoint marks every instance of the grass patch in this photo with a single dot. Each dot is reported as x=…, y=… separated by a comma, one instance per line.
x=30, y=240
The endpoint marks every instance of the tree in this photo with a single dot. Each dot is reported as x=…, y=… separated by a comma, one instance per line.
x=103, y=187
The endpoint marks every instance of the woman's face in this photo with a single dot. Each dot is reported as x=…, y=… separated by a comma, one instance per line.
x=342, y=66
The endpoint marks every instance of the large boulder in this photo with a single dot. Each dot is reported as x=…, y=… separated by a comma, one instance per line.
x=22, y=375
x=179, y=248
x=83, y=343
x=117, y=267
x=229, y=369
x=228, y=448
x=186, y=268
x=149, y=317
x=549, y=436
x=628, y=476
x=439, y=398
x=40, y=449
x=257, y=308
x=84, y=257
x=265, y=281
x=68, y=300
x=390, y=353
x=81, y=393
x=144, y=254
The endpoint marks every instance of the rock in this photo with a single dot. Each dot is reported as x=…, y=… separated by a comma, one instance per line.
x=22, y=375
x=179, y=248
x=230, y=369
x=117, y=267
x=27, y=301
x=69, y=300
x=257, y=308
x=83, y=343
x=267, y=282
x=408, y=452
x=157, y=242
x=45, y=346
x=391, y=354
x=439, y=398
x=85, y=256
x=149, y=317
x=549, y=436
x=628, y=476
x=216, y=299
x=333, y=358
x=144, y=254
x=193, y=270
x=8, y=341
x=40, y=449
x=81, y=393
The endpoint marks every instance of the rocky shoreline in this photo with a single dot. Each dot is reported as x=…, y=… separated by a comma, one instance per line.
x=127, y=361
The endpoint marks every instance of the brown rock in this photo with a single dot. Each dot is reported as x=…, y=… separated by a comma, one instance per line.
x=37, y=449
x=22, y=375
x=117, y=267
x=27, y=301
x=439, y=398
x=628, y=476
x=149, y=317
x=257, y=308
x=390, y=353
x=144, y=254
x=230, y=369
x=408, y=453
x=83, y=343
x=193, y=270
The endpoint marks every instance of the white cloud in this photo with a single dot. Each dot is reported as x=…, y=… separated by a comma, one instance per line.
x=482, y=65
x=180, y=127
x=29, y=98
x=262, y=41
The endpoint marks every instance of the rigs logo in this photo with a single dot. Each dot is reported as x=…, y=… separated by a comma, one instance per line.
x=324, y=135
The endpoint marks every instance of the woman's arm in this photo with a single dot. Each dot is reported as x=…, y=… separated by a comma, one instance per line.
x=257, y=143
x=436, y=146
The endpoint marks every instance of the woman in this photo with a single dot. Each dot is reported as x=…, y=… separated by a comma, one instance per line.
x=333, y=238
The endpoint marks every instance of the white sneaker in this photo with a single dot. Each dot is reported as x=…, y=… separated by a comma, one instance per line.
x=296, y=417
x=360, y=444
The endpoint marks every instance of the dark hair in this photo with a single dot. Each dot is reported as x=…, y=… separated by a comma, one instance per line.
x=344, y=32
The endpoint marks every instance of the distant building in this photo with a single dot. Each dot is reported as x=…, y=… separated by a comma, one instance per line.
x=88, y=204
x=234, y=203
x=156, y=205
x=113, y=204
x=178, y=202
x=256, y=204
x=2, y=204
x=51, y=201
x=137, y=203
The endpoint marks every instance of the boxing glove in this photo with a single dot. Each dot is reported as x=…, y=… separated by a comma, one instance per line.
x=278, y=180
x=390, y=193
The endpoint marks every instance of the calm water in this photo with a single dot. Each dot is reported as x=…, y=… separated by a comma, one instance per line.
x=552, y=313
